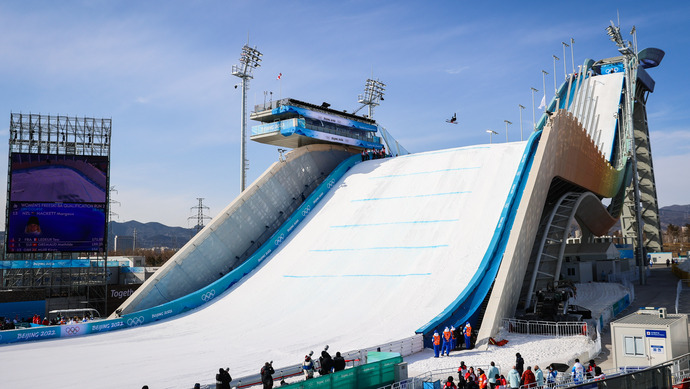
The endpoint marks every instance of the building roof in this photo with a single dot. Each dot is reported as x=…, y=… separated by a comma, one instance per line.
x=649, y=317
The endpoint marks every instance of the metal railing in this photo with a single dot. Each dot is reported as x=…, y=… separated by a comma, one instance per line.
x=405, y=347
x=549, y=328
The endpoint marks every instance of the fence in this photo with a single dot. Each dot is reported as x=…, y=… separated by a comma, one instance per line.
x=549, y=328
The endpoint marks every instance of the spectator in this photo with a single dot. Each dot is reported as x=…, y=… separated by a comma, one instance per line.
x=492, y=374
x=538, y=376
x=470, y=375
x=223, y=379
x=462, y=370
x=501, y=382
x=513, y=378
x=528, y=379
x=267, y=375
x=577, y=372
x=482, y=380
x=338, y=362
x=449, y=383
x=590, y=369
x=471, y=384
x=519, y=363
x=326, y=363
x=308, y=367
x=197, y=386
x=551, y=375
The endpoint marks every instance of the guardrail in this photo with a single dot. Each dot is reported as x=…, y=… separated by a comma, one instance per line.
x=404, y=347
x=549, y=328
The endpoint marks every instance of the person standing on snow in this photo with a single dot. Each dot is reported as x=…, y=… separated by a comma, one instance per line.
x=453, y=339
x=577, y=372
x=308, y=367
x=223, y=379
x=513, y=378
x=267, y=375
x=338, y=362
x=538, y=376
x=528, y=379
x=519, y=363
x=437, y=343
x=492, y=373
x=326, y=363
x=446, y=342
x=468, y=336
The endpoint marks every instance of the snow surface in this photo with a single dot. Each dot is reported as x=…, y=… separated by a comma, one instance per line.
x=386, y=251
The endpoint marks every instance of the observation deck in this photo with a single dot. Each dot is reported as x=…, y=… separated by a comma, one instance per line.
x=293, y=123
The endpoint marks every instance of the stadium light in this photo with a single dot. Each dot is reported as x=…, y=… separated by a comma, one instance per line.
x=507, y=123
x=521, y=108
x=250, y=59
x=491, y=133
x=373, y=95
x=534, y=120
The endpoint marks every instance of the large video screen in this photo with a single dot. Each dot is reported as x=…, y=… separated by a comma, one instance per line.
x=56, y=227
x=58, y=178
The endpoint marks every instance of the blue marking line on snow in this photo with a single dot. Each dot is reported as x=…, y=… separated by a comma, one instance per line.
x=382, y=248
x=411, y=197
x=429, y=172
x=360, y=275
x=442, y=151
x=394, y=223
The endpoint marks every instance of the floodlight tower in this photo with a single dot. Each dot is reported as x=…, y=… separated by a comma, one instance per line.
x=630, y=63
x=373, y=95
x=250, y=59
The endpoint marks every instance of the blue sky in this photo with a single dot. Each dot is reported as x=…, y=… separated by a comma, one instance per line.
x=162, y=71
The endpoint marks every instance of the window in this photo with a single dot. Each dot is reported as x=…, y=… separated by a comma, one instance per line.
x=634, y=345
x=571, y=271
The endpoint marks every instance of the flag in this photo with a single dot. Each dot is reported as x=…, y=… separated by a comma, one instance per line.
x=279, y=76
x=543, y=102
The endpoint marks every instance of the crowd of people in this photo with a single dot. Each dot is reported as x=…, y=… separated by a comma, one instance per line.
x=443, y=345
x=7, y=324
x=326, y=365
x=373, y=154
x=520, y=376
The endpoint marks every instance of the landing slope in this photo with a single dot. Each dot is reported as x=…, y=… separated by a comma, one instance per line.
x=391, y=246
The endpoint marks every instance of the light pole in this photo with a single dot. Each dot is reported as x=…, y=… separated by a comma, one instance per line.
x=534, y=120
x=555, y=87
x=544, y=73
x=373, y=94
x=249, y=60
x=565, y=70
x=491, y=133
x=572, y=56
x=521, y=108
x=507, y=122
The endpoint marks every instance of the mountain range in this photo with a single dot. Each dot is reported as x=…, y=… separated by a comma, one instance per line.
x=154, y=234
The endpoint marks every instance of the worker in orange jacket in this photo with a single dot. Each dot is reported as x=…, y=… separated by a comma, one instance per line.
x=446, y=342
x=453, y=340
x=437, y=343
x=483, y=381
x=468, y=335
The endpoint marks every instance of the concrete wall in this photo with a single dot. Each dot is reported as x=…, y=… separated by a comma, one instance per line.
x=241, y=228
x=566, y=151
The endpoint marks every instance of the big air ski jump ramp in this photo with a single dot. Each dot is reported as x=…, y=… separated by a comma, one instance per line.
x=326, y=249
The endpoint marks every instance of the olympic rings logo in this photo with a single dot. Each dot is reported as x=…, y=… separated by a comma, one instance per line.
x=279, y=240
x=72, y=330
x=306, y=210
x=208, y=295
x=331, y=183
x=135, y=321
